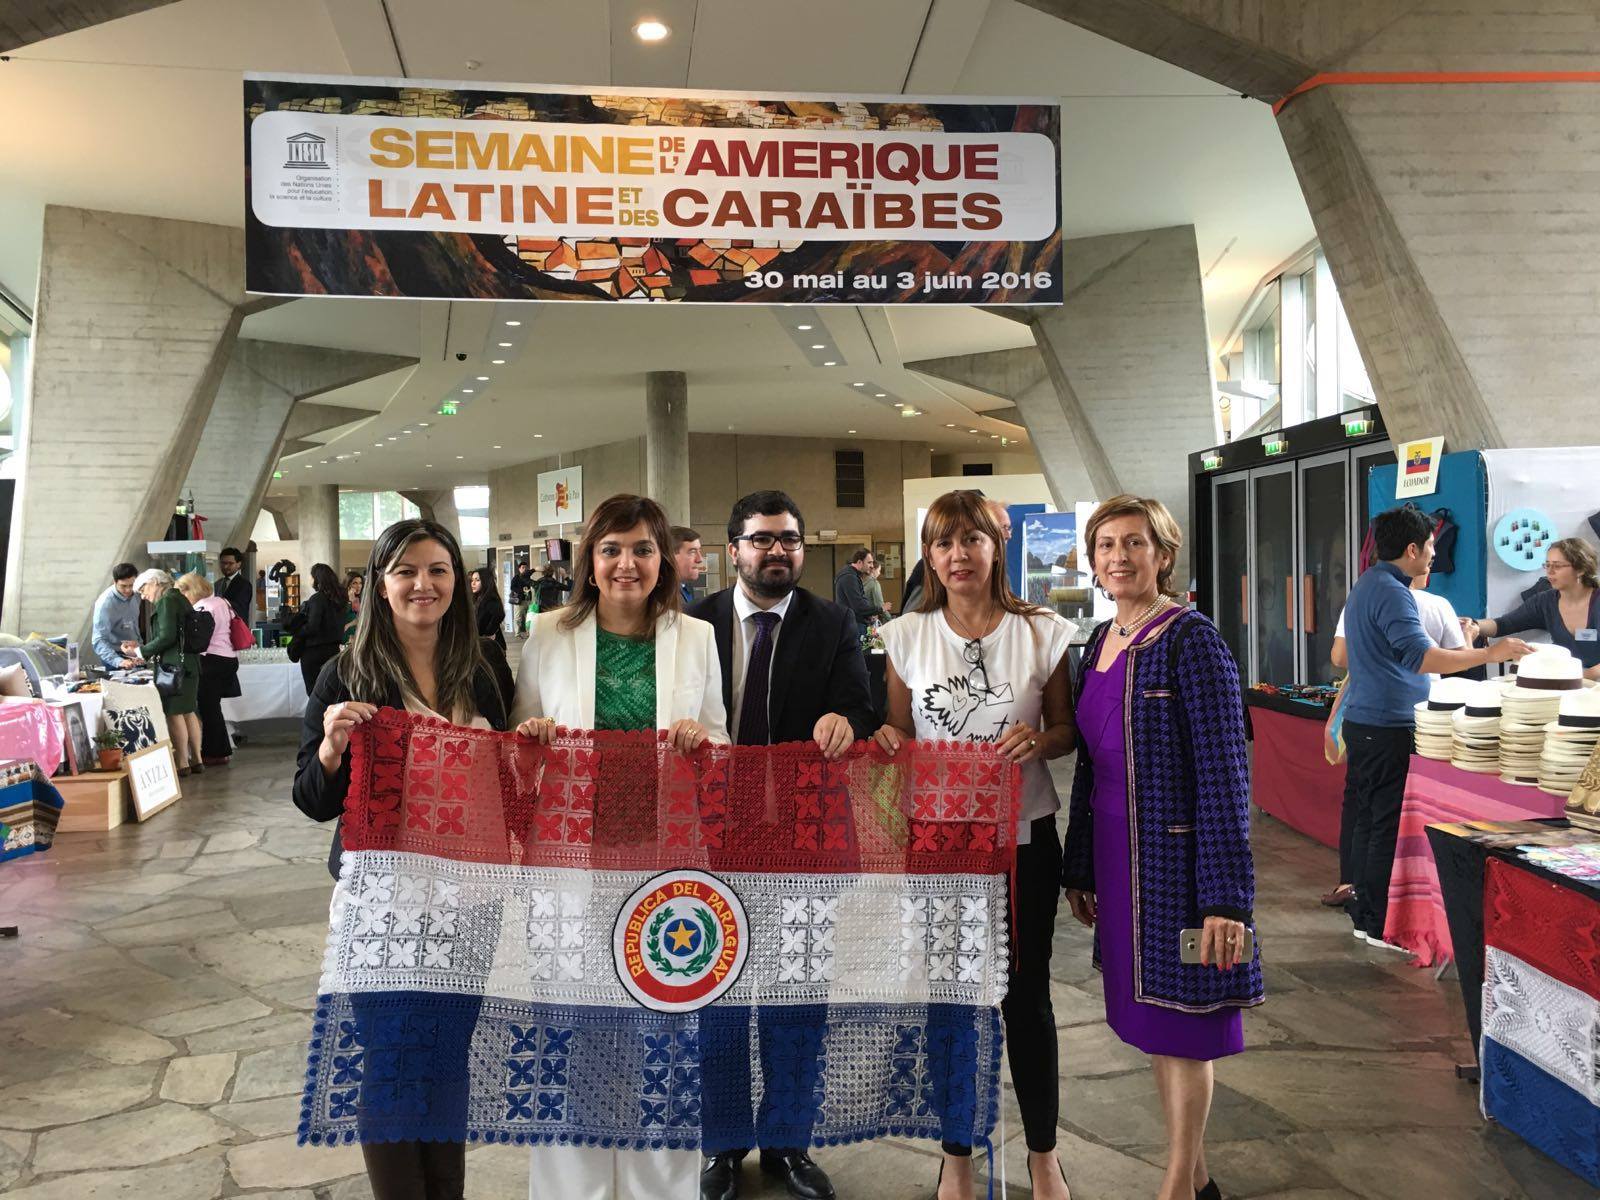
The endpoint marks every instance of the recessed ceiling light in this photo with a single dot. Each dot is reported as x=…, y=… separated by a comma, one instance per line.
x=308, y=466
x=379, y=445
x=427, y=464
x=513, y=322
x=858, y=385
x=538, y=435
x=466, y=391
x=404, y=431
x=505, y=345
x=972, y=431
x=499, y=362
x=357, y=453
x=830, y=363
x=818, y=346
x=880, y=395
x=497, y=447
x=849, y=430
x=463, y=455
x=483, y=379
x=950, y=425
x=424, y=424
x=994, y=435
x=802, y=328
x=324, y=462
x=394, y=437
x=650, y=31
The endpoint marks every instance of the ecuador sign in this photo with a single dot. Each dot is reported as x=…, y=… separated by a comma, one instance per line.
x=370, y=187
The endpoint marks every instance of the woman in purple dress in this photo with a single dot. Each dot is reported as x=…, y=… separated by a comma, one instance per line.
x=1159, y=839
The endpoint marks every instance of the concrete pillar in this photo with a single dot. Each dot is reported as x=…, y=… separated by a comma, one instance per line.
x=439, y=507
x=666, y=444
x=135, y=322
x=1456, y=218
x=319, y=530
x=1117, y=391
x=261, y=403
x=25, y=24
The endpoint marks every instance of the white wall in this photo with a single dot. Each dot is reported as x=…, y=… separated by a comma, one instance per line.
x=1010, y=489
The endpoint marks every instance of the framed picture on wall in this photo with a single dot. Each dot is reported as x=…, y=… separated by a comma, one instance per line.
x=153, y=780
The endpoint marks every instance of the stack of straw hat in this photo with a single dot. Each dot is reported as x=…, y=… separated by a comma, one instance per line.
x=1569, y=740
x=1475, y=729
x=1531, y=704
x=1434, y=732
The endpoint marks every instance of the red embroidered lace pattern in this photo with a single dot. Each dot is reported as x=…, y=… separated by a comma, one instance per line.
x=627, y=801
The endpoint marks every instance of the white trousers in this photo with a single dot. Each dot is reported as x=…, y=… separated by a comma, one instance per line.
x=596, y=1173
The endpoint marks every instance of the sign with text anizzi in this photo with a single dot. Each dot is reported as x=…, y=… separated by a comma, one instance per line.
x=373, y=187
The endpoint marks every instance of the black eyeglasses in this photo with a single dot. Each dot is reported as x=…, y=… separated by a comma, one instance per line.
x=765, y=541
x=973, y=653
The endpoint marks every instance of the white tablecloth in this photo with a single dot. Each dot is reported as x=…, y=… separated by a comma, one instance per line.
x=271, y=691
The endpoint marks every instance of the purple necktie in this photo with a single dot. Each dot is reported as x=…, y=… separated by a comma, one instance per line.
x=753, y=729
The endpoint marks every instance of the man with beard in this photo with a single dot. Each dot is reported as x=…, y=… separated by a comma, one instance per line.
x=792, y=671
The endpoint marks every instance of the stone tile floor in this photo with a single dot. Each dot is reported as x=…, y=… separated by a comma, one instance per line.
x=154, y=1011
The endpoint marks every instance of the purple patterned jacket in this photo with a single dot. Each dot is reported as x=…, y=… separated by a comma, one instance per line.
x=1189, y=791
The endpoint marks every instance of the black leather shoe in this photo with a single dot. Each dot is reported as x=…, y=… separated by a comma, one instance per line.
x=1210, y=1192
x=719, y=1176
x=804, y=1179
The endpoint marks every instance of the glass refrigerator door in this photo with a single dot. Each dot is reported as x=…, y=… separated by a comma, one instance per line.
x=1230, y=515
x=1324, y=559
x=1274, y=591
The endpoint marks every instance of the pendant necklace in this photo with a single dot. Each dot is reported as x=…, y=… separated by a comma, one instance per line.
x=1138, y=622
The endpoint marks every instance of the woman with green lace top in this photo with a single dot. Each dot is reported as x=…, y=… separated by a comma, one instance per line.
x=620, y=656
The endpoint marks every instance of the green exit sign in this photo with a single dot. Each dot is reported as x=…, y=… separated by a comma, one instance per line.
x=1210, y=462
x=277, y=474
x=1273, y=449
x=449, y=408
x=1358, y=428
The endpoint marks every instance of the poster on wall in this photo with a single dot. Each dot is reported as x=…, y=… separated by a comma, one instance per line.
x=561, y=496
x=1419, y=467
x=477, y=191
x=1051, y=574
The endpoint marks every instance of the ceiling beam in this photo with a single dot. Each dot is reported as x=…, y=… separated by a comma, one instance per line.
x=24, y=22
x=940, y=55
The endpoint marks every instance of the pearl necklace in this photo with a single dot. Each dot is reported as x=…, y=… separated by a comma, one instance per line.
x=1139, y=621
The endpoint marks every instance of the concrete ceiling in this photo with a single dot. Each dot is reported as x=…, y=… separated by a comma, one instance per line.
x=142, y=115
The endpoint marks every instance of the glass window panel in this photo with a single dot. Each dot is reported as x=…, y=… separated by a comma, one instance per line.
x=386, y=509
x=355, y=516
x=1272, y=591
x=1325, y=580
x=1232, y=524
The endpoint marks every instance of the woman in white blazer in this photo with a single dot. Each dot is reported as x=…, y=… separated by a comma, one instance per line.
x=620, y=656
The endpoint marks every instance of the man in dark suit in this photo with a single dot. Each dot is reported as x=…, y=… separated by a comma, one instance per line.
x=792, y=671
x=234, y=585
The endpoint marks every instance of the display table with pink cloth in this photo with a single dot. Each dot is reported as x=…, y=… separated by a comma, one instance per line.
x=1289, y=776
x=29, y=730
x=1437, y=793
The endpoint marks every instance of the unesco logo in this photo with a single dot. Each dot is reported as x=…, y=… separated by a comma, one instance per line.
x=307, y=152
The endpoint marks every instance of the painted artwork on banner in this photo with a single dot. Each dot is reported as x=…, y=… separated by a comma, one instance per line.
x=374, y=187
x=561, y=496
x=1050, y=557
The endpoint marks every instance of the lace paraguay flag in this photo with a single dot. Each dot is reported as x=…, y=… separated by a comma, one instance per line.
x=1540, y=1054
x=605, y=942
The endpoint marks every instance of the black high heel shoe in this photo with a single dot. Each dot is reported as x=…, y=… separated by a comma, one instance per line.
x=1210, y=1192
x=1063, y=1171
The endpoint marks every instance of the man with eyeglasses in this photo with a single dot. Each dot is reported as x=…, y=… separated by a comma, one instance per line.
x=792, y=671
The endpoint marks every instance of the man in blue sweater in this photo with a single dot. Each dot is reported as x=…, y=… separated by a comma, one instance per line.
x=1390, y=659
x=116, y=617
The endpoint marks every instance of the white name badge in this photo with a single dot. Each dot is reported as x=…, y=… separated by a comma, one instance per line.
x=1587, y=635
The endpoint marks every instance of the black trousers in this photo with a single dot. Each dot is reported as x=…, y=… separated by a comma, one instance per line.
x=312, y=660
x=1377, y=758
x=1030, y=1018
x=219, y=680
x=416, y=1170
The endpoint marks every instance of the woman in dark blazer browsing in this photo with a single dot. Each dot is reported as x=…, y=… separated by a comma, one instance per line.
x=1159, y=838
x=319, y=628
x=489, y=608
x=416, y=647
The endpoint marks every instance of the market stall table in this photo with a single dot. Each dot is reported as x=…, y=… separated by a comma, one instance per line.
x=1533, y=1021
x=269, y=691
x=1290, y=778
x=1436, y=793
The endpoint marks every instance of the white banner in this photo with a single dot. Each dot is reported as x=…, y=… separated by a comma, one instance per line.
x=561, y=496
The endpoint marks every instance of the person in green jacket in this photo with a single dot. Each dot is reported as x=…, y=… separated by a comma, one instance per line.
x=166, y=646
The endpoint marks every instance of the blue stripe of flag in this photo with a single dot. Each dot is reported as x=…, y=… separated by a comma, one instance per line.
x=1541, y=1109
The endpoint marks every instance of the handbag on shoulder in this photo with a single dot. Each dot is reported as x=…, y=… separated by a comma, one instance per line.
x=168, y=679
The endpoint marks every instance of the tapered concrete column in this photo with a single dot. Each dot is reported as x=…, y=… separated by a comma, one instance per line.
x=137, y=317
x=439, y=507
x=319, y=530
x=260, y=404
x=666, y=443
x=1457, y=218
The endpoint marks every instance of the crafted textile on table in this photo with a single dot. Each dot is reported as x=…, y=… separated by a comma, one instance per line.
x=606, y=942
